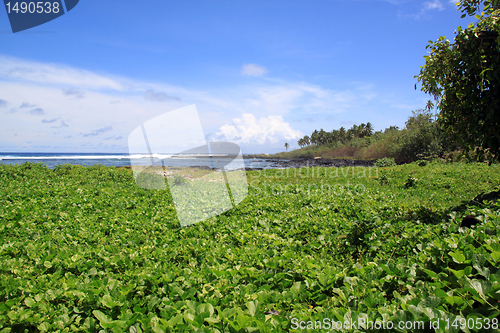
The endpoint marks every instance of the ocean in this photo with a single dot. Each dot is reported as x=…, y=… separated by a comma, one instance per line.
x=117, y=160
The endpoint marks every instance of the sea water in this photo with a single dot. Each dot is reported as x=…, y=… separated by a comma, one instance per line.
x=117, y=160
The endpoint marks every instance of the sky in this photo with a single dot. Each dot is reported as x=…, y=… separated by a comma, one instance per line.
x=259, y=72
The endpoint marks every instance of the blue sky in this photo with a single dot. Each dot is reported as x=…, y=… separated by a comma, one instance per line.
x=261, y=73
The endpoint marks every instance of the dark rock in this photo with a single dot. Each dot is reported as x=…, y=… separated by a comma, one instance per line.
x=491, y=196
x=202, y=167
x=272, y=312
x=469, y=221
x=311, y=162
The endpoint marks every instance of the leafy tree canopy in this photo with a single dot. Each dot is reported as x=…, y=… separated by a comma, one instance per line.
x=464, y=78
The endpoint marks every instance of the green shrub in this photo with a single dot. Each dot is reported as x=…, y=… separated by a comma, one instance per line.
x=151, y=181
x=178, y=180
x=384, y=179
x=411, y=181
x=62, y=169
x=385, y=162
x=421, y=138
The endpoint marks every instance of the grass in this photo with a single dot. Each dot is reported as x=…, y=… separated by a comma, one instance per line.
x=85, y=249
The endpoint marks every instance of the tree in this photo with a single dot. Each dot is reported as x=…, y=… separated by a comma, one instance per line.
x=315, y=137
x=342, y=134
x=420, y=138
x=369, y=129
x=287, y=145
x=322, y=137
x=464, y=78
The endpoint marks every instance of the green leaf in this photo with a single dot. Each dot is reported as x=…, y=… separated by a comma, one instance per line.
x=212, y=320
x=30, y=302
x=107, y=301
x=431, y=273
x=242, y=320
x=176, y=320
x=457, y=257
x=458, y=274
x=323, y=279
x=296, y=288
x=252, y=307
x=206, y=307
x=188, y=316
x=480, y=286
x=452, y=300
x=104, y=320
x=495, y=256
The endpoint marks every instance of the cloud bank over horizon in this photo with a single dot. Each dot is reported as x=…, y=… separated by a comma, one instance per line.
x=247, y=130
x=88, y=107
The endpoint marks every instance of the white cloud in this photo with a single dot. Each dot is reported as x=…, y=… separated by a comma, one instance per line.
x=150, y=95
x=427, y=6
x=91, y=101
x=250, y=131
x=253, y=70
x=71, y=92
x=396, y=2
x=99, y=131
x=436, y=4
x=37, y=112
x=22, y=70
x=281, y=97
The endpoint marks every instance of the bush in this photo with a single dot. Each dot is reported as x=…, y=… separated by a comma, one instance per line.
x=421, y=138
x=178, y=180
x=385, y=162
x=62, y=169
x=150, y=181
x=384, y=180
x=411, y=182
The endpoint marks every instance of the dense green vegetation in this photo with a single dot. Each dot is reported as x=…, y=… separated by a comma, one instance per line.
x=421, y=138
x=464, y=78
x=85, y=249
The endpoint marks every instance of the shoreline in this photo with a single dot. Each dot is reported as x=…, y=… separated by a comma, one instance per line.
x=292, y=163
x=252, y=162
x=310, y=162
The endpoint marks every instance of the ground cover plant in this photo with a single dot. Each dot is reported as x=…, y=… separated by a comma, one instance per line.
x=85, y=249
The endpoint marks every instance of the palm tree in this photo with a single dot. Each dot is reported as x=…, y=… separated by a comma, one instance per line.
x=287, y=145
x=321, y=137
x=369, y=129
x=314, y=137
x=342, y=134
x=361, y=130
